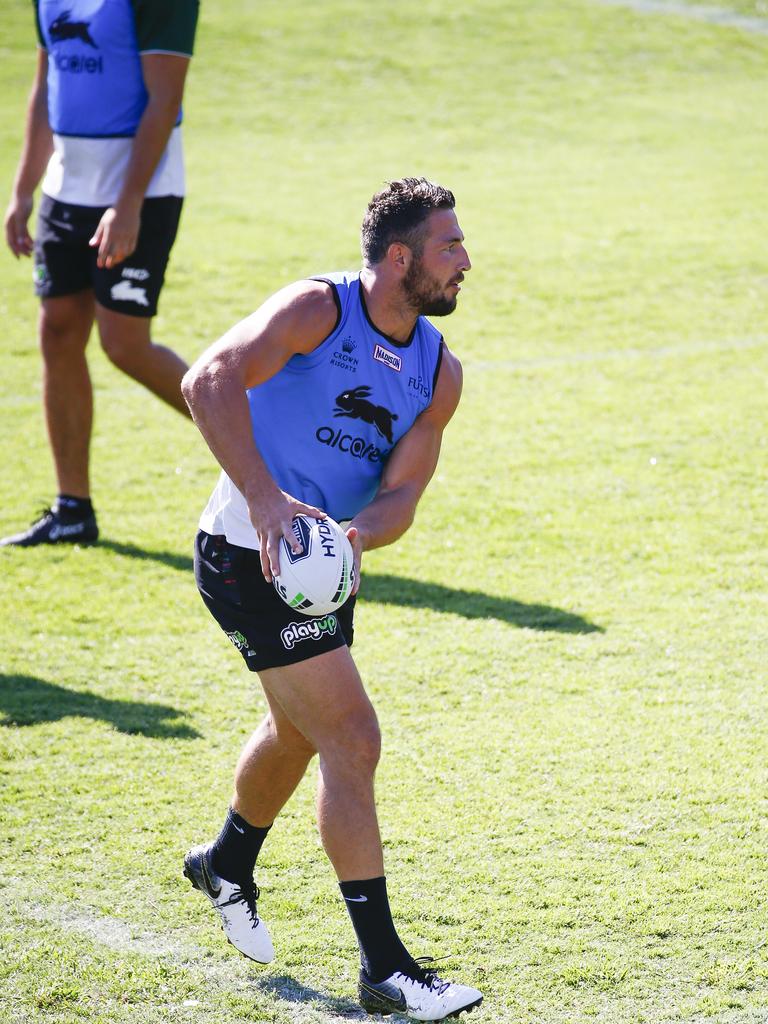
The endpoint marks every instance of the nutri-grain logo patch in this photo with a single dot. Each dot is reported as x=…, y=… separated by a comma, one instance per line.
x=390, y=359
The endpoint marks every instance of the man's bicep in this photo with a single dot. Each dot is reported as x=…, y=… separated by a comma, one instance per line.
x=164, y=75
x=414, y=459
x=293, y=321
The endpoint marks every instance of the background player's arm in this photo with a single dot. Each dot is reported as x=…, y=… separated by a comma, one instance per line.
x=409, y=469
x=118, y=230
x=295, y=320
x=36, y=151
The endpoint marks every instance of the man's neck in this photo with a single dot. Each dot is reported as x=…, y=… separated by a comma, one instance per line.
x=390, y=314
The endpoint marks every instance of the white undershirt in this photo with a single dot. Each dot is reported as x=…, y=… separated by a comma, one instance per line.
x=227, y=513
x=91, y=172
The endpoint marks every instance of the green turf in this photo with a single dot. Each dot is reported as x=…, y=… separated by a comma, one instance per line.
x=568, y=652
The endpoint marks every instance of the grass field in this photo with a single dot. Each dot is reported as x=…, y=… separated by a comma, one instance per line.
x=567, y=652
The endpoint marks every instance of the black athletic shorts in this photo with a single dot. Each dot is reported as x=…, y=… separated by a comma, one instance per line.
x=66, y=264
x=258, y=622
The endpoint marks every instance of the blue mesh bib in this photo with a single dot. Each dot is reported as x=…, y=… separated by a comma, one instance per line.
x=328, y=421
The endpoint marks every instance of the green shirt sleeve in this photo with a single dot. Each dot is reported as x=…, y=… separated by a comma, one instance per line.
x=40, y=39
x=166, y=25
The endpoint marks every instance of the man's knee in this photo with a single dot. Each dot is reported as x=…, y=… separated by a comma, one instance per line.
x=64, y=329
x=123, y=348
x=288, y=736
x=357, y=744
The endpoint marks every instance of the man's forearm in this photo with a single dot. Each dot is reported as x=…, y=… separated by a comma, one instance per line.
x=38, y=143
x=148, y=146
x=387, y=518
x=219, y=408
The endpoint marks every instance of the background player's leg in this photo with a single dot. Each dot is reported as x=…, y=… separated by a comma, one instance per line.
x=128, y=344
x=64, y=327
x=325, y=700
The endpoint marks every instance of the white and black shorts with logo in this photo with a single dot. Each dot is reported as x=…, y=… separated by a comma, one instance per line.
x=257, y=621
x=64, y=262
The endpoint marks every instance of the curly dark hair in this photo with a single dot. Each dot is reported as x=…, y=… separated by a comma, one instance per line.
x=398, y=214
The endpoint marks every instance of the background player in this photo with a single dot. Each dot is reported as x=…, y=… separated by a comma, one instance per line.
x=104, y=124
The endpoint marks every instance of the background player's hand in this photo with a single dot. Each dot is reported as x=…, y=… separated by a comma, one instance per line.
x=354, y=538
x=16, y=232
x=272, y=521
x=117, y=234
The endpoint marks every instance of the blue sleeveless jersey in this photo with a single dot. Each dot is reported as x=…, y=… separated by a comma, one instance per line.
x=327, y=422
x=95, y=84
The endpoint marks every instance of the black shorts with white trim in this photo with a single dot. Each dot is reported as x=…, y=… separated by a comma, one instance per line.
x=258, y=622
x=64, y=262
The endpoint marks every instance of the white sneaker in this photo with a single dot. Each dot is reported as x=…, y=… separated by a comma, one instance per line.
x=235, y=904
x=417, y=992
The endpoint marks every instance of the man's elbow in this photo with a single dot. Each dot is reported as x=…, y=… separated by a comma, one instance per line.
x=195, y=384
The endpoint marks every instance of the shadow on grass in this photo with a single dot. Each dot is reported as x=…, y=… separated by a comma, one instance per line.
x=291, y=991
x=410, y=593
x=25, y=700
x=471, y=604
x=181, y=562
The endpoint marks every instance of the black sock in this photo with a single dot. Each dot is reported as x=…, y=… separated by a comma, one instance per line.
x=234, y=851
x=72, y=510
x=381, y=951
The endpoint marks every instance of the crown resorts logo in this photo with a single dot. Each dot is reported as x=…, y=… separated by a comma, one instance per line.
x=343, y=357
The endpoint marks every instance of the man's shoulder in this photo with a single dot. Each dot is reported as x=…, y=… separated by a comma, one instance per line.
x=344, y=279
x=308, y=291
x=449, y=380
x=307, y=311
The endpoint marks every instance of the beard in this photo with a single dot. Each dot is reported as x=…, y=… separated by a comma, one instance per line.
x=424, y=293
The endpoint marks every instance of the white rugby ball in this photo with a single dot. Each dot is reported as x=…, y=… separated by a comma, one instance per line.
x=318, y=579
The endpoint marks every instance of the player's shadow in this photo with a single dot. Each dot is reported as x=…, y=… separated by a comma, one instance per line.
x=290, y=990
x=409, y=593
x=471, y=604
x=170, y=558
x=25, y=700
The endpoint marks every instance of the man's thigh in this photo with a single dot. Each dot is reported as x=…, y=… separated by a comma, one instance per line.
x=323, y=697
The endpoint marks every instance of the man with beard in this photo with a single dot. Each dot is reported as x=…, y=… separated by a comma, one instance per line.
x=330, y=399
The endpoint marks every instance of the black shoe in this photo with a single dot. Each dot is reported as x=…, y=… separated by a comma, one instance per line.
x=51, y=529
x=417, y=992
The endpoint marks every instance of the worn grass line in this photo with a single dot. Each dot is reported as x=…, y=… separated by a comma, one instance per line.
x=532, y=363
x=619, y=354
x=696, y=12
x=232, y=975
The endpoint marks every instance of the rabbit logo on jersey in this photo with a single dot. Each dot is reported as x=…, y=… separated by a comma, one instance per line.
x=354, y=404
x=310, y=629
x=63, y=29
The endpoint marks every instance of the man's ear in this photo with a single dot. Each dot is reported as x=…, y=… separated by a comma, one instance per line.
x=400, y=256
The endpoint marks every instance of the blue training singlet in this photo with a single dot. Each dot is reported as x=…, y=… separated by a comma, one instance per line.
x=326, y=423
x=95, y=83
